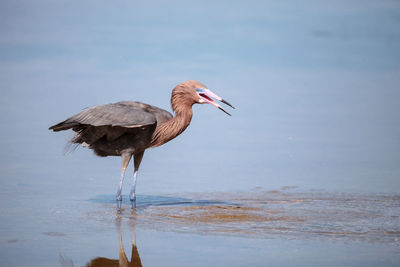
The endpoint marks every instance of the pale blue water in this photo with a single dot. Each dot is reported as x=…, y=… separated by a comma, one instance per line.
x=316, y=91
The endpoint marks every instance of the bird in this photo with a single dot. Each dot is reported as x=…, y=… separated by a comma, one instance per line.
x=128, y=128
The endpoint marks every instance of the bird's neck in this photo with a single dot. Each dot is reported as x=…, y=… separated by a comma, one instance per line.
x=172, y=128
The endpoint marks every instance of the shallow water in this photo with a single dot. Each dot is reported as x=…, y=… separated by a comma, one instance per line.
x=285, y=227
x=271, y=214
x=305, y=173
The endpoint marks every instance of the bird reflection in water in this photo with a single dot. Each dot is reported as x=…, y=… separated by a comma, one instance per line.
x=128, y=128
x=123, y=259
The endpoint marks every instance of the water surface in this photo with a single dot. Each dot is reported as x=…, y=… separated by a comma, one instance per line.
x=306, y=171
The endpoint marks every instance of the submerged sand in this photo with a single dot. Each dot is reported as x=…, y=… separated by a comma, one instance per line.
x=270, y=214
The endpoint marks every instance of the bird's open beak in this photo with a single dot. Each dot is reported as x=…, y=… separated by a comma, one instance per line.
x=206, y=96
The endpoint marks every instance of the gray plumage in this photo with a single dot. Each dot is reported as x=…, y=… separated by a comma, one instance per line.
x=110, y=129
x=127, y=114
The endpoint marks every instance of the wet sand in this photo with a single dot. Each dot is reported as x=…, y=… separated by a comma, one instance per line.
x=274, y=214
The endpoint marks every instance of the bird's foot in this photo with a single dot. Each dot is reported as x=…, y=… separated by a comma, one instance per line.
x=133, y=204
x=119, y=200
x=132, y=197
x=119, y=204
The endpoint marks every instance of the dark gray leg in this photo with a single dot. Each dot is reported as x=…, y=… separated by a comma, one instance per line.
x=124, y=164
x=137, y=160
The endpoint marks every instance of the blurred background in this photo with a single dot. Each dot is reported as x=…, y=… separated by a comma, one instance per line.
x=315, y=85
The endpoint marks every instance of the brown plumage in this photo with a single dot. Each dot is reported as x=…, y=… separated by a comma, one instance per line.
x=128, y=128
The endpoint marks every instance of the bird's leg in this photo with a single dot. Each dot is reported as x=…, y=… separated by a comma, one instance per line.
x=124, y=164
x=132, y=194
x=137, y=160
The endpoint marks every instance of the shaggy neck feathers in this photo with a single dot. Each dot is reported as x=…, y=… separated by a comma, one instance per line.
x=182, y=106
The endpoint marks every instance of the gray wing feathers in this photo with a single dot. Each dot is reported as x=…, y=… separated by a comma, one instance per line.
x=122, y=114
x=114, y=115
x=160, y=114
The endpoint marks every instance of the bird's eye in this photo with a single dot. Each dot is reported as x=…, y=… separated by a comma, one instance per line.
x=200, y=90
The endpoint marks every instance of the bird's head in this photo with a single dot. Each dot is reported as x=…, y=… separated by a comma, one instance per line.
x=194, y=92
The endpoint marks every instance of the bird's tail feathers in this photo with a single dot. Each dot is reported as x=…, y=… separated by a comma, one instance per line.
x=69, y=147
x=72, y=144
x=65, y=125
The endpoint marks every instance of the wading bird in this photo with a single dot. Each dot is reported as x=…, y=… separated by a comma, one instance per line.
x=128, y=128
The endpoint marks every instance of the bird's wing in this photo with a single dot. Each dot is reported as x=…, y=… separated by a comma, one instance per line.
x=116, y=115
x=160, y=114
